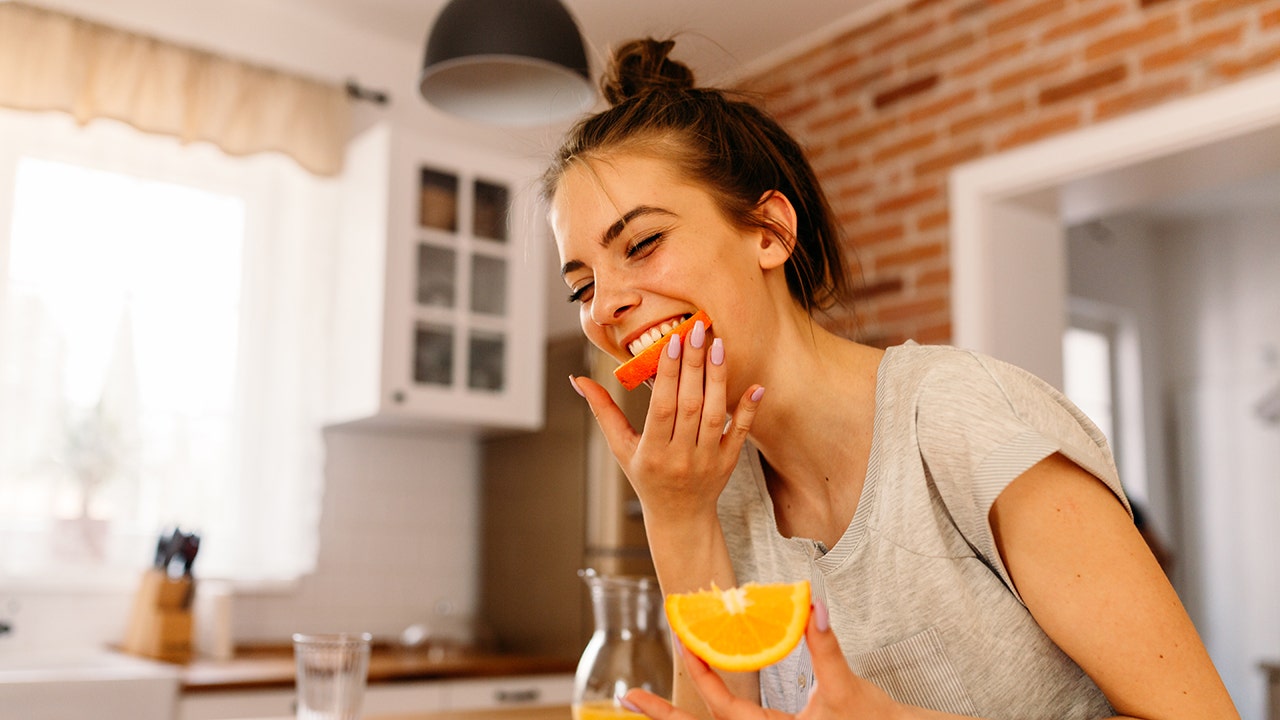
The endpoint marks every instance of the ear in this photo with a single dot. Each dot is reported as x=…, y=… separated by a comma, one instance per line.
x=778, y=238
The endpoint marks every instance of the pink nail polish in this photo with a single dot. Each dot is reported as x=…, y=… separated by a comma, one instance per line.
x=673, y=347
x=628, y=705
x=820, y=616
x=698, y=335
x=759, y=393
x=717, y=351
x=574, y=382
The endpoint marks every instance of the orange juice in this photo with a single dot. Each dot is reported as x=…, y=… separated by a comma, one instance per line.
x=603, y=710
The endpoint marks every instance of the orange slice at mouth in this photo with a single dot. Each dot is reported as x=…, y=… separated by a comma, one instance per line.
x=635, y=371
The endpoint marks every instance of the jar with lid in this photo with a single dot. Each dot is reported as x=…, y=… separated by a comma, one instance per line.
x=629, y=647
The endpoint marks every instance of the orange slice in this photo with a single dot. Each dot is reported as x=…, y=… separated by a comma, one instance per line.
x=645, y=365
x=743, y=628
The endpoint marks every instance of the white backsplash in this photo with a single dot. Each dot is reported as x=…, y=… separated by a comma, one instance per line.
x=399, y=536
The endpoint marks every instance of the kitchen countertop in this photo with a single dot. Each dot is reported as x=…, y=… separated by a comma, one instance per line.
x=272, y=666
x=553, y=712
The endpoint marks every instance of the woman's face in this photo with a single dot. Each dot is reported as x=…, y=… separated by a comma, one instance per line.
x=641, y=247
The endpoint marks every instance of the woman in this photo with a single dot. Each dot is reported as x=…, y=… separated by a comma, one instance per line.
x=969, y=546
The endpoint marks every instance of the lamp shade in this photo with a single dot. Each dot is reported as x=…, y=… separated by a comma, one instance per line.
x=506, y=62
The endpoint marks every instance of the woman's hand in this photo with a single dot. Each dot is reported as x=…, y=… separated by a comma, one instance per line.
x=682, y=460
x=837, y=691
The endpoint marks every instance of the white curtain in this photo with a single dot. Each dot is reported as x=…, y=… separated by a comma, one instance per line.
x=51, y=61
x=259, y=512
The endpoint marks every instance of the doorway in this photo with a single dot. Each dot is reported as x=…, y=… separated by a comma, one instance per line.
x=1209, y=455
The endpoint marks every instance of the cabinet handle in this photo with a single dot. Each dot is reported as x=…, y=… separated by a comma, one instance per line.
x=523, y=695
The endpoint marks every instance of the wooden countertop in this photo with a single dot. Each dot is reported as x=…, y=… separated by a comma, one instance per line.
x=555, y=712
x=267, y=667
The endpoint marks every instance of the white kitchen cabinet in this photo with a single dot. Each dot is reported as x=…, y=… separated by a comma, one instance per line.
x=440, y=287
x=390, y=698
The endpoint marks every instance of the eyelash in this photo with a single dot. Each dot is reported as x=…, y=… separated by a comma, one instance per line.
x=640, y=247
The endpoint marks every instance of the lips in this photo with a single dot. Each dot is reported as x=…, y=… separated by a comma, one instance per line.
x=654, y=334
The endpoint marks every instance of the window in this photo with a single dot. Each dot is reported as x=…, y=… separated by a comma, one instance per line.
x=1087, y=376
x=149, y=292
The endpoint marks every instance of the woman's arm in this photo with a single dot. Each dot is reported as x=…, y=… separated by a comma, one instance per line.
x=679, y=466
x=1093, y=585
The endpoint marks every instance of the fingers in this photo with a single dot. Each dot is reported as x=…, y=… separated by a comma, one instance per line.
x=613, y=423
x=653, y=706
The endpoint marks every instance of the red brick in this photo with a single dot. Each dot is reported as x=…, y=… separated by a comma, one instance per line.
x=787, y=112
x=1234, y=69
x=1209, y=9
x=929, y=221
x=939, y=334
x=1157, y=28
x=854, y=191
x=1040, y=128
x=938, y=107
x=1140, y=98
x=836, y=67
x=911, y=144
x=947, y=160
x=989, y=117
x=905, y=90
x=883, y=286
x=895, y=41
x=1084, y=84
x=907, y=200
x=858, y=83
x=941, y=50
x=876, y=235
x=1089, y=22
x=993, y=57
x=1193, y=50
x=866, y=29
x=937, y=276
x=913, y=308
x=1030, y=73
x=835, y=119
x=1270, y=20
x=847, y=167
x=864, y=134
x=1026, y=15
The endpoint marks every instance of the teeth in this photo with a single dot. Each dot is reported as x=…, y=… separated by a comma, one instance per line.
x=653, y=335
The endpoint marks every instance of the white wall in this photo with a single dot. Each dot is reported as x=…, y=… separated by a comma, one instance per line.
x=1206, y=288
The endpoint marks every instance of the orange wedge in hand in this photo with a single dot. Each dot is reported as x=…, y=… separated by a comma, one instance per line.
x=635, y=371
x=743, y=628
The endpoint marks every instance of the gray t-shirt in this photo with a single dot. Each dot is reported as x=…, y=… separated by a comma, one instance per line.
x=918, y=595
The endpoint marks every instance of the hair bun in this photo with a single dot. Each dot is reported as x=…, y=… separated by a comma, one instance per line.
x=641, y=66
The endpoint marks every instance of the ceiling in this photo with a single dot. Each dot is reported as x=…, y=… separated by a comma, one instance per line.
x=715, y=36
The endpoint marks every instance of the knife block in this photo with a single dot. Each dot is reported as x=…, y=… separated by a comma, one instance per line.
x=160, y=623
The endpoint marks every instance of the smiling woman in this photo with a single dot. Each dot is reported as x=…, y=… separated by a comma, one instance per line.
x=136, y=347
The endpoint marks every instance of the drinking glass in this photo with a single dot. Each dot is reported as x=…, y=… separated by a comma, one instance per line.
x=331, y=674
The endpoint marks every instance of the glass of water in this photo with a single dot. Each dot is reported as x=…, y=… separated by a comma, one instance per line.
x=331, y=674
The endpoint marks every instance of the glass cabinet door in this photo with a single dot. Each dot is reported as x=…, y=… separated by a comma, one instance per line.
x=462, y=283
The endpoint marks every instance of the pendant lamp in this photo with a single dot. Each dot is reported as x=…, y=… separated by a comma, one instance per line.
x=507, y=62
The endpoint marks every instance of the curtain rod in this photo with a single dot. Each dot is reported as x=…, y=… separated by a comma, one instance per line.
x=357, y=92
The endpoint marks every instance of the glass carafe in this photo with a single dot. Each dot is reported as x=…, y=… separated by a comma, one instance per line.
x=628, y=649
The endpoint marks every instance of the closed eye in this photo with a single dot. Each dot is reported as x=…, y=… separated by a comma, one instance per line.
x=579, y=294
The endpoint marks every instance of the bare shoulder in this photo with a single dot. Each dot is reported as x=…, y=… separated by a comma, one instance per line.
x=1093, y=585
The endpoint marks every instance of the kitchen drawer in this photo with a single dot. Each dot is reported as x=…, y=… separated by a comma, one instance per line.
x=490, y=693
x=232, y=704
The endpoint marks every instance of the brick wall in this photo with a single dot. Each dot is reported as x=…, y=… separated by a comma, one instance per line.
x=888, y=108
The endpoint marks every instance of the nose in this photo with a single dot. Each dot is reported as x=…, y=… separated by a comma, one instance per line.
x=610, y=303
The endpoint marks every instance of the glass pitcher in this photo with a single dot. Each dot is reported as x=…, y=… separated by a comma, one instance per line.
x=628, y=648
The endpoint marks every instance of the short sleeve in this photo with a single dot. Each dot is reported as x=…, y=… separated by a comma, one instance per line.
x=981, y=423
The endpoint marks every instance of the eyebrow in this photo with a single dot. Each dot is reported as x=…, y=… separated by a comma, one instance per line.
x=615, y=230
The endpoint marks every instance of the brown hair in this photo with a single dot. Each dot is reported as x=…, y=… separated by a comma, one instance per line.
x=736, y=149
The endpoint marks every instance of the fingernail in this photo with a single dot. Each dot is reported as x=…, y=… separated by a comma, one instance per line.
x=628, y=705
x=820, y=616
x=673, y=347
x=574, y=382
x=717, y=351
x=698, y=335
x=759, y=393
